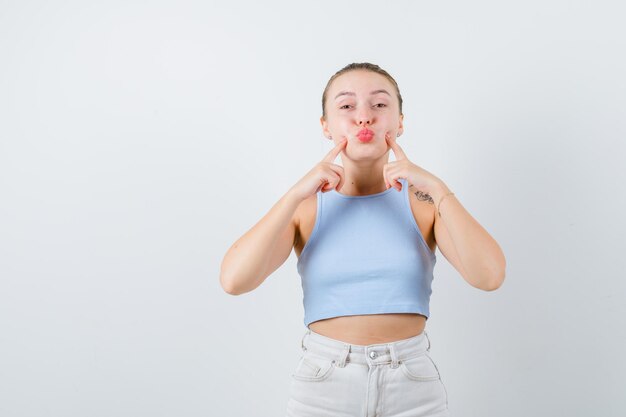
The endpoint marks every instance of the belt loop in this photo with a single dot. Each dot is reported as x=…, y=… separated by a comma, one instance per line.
x=343, y=356
x=394, y=356
x=302, y=341
x=427, y=338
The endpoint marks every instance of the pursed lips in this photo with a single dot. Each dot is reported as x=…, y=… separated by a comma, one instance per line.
x=365, y=135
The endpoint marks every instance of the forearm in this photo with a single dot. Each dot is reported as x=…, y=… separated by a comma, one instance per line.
x=481, y=256
x=244, y=264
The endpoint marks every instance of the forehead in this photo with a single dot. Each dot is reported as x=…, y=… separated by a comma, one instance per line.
x=359, y=82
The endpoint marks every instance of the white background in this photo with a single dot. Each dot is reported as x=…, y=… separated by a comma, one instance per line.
x=139, y=140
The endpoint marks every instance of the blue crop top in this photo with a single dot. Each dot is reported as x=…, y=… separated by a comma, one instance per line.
x=365, y=255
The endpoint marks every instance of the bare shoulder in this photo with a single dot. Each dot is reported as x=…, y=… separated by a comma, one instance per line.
x=423, y=208
x=304, y=219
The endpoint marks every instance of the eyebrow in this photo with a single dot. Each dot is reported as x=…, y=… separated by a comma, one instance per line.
x=350, y=93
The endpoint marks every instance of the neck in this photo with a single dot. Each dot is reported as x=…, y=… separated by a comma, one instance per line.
x=364, y=177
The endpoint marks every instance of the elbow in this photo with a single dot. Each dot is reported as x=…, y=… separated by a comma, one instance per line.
x=495, y=282
x=228, y=284
x=234, y=286
x=235, y=281
x=496, y=275
x=228, y=277
x=493, y=286
x=228, y=288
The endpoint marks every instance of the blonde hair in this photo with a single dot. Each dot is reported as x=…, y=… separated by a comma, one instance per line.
x=360, y=66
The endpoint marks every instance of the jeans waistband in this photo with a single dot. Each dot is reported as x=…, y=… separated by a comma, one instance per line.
x=375, y=354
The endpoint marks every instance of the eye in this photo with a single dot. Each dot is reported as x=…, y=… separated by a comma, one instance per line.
x=345, y=105
x=382, y=104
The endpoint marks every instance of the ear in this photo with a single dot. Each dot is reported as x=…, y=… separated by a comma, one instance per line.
x=324, y=124
x=400, y=126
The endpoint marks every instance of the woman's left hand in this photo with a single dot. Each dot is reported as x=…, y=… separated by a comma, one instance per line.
x=416, y=176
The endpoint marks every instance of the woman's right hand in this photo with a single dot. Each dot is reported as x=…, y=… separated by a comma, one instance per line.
x=266, y=246
x=324, y=176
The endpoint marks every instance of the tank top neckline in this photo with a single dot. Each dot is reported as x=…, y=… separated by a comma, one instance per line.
x=335, y=192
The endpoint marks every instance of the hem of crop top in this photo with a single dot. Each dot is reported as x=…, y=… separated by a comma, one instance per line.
x=408, y=211
x=368, y=310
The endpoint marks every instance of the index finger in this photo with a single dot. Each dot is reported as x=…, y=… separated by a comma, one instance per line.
x=330, y=156
x=397, y=150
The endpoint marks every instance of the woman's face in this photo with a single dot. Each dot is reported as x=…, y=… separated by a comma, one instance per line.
x=362, y=106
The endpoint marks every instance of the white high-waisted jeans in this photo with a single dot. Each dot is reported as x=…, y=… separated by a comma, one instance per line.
x=338, y=379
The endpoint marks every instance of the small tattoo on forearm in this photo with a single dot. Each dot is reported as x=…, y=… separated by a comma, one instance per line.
x=423, y=196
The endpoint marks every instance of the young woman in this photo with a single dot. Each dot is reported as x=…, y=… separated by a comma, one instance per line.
x=365, y=234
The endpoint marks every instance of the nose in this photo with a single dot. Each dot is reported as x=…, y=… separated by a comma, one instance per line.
x=364, y=119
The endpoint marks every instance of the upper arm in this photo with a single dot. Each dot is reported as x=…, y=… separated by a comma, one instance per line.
x=424, y=211
x=446, y=245
x=282, y=248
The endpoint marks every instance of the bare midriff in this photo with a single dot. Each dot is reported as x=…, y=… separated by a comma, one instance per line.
x=372, y=328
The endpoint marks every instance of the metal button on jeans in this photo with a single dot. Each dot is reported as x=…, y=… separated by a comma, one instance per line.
x=372, y=354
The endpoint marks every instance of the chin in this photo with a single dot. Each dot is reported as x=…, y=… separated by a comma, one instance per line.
x=365, y=151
